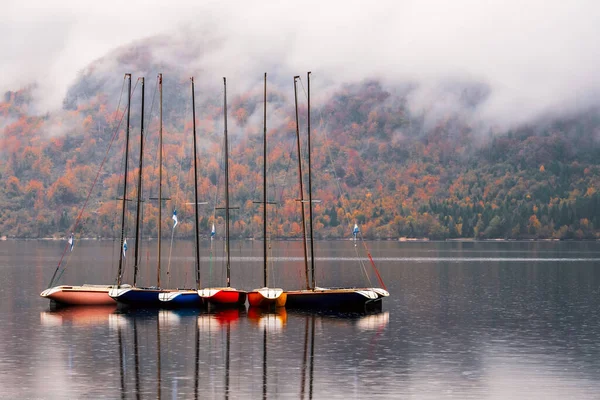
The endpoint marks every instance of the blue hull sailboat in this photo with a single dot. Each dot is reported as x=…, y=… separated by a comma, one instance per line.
x=154, y=297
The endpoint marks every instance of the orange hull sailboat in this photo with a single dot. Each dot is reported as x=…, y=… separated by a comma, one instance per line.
x=266, y=297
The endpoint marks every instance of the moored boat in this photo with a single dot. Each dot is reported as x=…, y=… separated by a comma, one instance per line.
x=266, y=297
x=89, y=294
x=333, y=299
x=153, y=297
x=314, y=297
x=225, y=296
x=80, y=295
x=80, y=316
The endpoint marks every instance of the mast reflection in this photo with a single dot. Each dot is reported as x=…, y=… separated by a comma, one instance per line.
x=273, y=321
x=219, y=320
x=306, y=359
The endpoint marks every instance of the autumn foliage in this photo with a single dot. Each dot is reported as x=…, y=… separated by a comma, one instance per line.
x=393, y=172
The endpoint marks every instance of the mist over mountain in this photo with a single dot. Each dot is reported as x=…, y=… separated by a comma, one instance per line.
x=403, y=150
x=534, y=58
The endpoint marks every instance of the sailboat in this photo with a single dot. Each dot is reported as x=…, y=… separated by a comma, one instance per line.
x=189, y=297
x=314, y=297
x=146, y=297
x=266, y=297
x=225, y=296
x=97, y=295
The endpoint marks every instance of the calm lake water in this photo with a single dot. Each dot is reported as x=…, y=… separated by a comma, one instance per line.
x=464, y=321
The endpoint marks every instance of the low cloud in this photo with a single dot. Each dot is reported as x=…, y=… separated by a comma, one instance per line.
x=532, y=58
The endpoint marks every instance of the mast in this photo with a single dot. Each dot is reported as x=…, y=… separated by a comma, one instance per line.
x=128, y=76
x=160, y=146
x=139, y=193
x=226, y=184
x=301, y=186
x=310, y=214
x=265, y=186
x=196, y=189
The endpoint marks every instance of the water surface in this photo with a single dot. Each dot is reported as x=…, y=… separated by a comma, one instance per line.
x=465, y=320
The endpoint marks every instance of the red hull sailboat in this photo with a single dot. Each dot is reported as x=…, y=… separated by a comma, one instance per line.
x=225, y=296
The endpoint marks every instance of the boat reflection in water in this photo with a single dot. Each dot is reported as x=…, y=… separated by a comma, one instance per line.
x=151, y=322
x=154, y=343
x=78, y=315
x=272, y=320
x=366, y=321
x=214, y=323
x=373, y=322
x=228, y=353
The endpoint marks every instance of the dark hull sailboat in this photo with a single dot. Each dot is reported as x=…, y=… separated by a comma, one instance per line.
x=343, y=299
x=225, y=296
x=325, y=299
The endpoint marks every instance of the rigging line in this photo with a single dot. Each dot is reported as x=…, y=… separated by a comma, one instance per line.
x=176, y=201
x=116, y=219
x=373, y=263
x=287, y=170
x=303, y=89
x=270, y=244
x=77, y=221
x=149, y=121
x=364, y=243
x=219, y=159
x=126, y=228
x=139, y=192
x=363, y=266
x=221, y=173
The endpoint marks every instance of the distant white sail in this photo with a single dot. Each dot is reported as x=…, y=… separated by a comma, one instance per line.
x=175, y=218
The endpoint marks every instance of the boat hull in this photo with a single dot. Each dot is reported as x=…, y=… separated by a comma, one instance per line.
x=381, y=293
x=85, y=295
x=223, y=297
x=334, y=300
x=271, y=320
x=181, y=299
x=156, y=298
x=267, y=298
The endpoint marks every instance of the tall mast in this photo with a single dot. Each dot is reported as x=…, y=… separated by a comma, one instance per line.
x=310, y=214
x=301, y=186
x=265, y=186
x=139, y=193
x=128, y=76
x=160, y=146
x=226, y=183
x=196, y=189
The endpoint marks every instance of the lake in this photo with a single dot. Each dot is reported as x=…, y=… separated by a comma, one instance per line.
x=465, y=320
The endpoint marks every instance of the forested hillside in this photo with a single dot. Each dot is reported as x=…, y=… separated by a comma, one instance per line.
x=376, y=162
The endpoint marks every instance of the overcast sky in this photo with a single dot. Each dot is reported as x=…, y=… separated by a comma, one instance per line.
x=535, y=55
